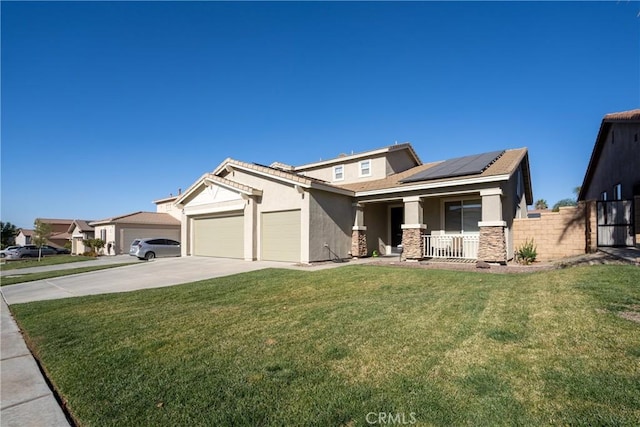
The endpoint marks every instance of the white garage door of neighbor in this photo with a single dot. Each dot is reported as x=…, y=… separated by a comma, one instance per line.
x=219, y=237
x=281, y=236
x=130, y=234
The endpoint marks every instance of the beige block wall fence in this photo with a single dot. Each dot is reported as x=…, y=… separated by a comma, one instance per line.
x=569, y=232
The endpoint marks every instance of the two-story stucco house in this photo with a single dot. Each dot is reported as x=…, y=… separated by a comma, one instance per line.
x=384, y=200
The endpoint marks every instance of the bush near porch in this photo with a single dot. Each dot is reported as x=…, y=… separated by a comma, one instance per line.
x=281, y=347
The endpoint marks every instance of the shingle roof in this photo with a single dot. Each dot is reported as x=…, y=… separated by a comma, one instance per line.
x=150, y=218
x=60, y=236
x=623, y=115
x=274, y=172
x=81, y=224
x=26, y=231
x=506, y=164
x=55, y=221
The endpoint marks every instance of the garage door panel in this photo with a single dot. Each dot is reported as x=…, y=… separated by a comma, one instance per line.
x=281, y=236
x=219, y=237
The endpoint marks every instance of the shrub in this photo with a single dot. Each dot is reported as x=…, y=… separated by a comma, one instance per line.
x=526, y=253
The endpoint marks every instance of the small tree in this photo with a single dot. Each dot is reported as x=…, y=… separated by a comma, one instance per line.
x=41, y=234
x=9, y=232
x=94, y=244
x=542, y=204
x=562, y=203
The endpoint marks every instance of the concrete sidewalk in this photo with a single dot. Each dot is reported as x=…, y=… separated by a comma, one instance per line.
x=105, y=260
x=25, y=397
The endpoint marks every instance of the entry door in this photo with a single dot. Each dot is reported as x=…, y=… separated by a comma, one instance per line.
x=397, y=219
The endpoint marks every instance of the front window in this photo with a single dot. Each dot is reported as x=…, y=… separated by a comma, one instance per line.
x=338, y=173
x=617, y=192
x=603, y=196
x=365, y=168
x=462, y=216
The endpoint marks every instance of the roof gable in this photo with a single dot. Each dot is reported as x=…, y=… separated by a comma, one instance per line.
x=355, y=156
x=631, y=116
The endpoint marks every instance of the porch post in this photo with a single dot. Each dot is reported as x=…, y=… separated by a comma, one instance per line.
x=359, y=233
x=412, y=229
x=492, y=246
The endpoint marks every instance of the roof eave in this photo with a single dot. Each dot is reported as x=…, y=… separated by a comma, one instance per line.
x=431, y=185
x=595, y=154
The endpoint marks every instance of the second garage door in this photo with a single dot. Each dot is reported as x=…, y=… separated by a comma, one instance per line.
x=281, y=236
x=219, y=237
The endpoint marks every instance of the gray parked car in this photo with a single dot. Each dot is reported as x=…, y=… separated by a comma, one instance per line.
x=7, y=250
x=31, y=251
x=152, y=248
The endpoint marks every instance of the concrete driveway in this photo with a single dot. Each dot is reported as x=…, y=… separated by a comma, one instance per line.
x=145, y=275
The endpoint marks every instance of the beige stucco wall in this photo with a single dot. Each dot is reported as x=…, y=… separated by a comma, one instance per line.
x=555, y=234
x=616, y=163
x=77, y=241
x=376, y=219
x=331, y=216
x=109, y=235
x=351, y=170
x=399, y=161
x=21, y=239
x=169, y=208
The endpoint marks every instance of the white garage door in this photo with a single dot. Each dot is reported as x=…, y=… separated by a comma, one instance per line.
x=219, y=237
x=130, y=234
x=281, y=236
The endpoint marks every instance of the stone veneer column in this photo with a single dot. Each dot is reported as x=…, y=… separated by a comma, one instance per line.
x=359, y=233
x=493, y=246
x=412, y=242
x=359, y=242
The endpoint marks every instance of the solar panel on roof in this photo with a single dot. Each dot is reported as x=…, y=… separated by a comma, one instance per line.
x=460, y=166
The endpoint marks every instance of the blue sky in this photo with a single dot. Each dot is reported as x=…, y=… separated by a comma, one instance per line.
x=107, y=106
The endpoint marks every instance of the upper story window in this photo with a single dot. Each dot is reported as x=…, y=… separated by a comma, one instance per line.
x=365, y=168
x=338, y=173
x=617, y=192
x=603, y=196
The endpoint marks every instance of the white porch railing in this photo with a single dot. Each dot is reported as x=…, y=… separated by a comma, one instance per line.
x=458, y=246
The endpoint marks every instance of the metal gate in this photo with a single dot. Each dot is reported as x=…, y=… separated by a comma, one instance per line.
x=615, y=223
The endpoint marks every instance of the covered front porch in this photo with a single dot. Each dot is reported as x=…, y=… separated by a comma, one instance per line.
x=460, y=225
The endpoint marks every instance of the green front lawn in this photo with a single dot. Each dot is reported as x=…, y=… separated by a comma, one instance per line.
x=30, y=277
x=49, y=260
x=333, y=347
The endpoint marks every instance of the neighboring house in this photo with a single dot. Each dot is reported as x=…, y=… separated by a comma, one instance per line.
x=384, y=200
x=612, y=179
x=80, y=230
x=59, y=236
x=118, y=232
x=24, y=237
x=168, y=206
